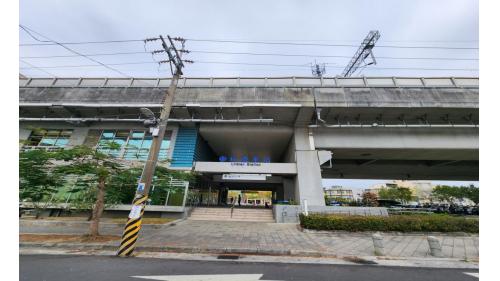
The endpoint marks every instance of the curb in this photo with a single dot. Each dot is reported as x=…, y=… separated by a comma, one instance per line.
x=253, y=254
x=235, y=251
x=395, y=233
x=113, y=247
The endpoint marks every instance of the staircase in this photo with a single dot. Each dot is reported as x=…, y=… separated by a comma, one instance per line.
x=224, y=214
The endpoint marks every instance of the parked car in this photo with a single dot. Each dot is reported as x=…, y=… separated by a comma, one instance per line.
x=334, y=203
x=389, y=203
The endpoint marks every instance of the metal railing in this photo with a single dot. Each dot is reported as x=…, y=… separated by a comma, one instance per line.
x=26, y=148
x=400, y=211
x=276, y=82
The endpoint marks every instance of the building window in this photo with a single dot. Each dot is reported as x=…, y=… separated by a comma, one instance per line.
x=131, y=144
x=49, y=138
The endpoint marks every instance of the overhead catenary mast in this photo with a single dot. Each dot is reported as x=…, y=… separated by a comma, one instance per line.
x=362, y=54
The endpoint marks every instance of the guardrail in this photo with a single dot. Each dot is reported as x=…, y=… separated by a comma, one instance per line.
x=215, y=82
x=400, y=211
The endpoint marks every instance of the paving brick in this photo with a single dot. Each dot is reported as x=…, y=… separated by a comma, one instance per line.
x=192, y=235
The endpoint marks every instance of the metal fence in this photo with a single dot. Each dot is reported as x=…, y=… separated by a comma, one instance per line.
x=214, y=82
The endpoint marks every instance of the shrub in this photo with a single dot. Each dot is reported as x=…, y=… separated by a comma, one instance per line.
x=401, y=223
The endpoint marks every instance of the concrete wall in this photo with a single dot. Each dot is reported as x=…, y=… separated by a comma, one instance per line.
x=290, y=213
x=289, y=190
x=24, y=133
x=78, y=136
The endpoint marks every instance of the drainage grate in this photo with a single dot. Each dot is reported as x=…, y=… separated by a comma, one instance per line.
x=365, y=262
x=228, y=257
x=359, y=260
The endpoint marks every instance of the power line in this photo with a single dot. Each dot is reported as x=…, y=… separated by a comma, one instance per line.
x=249, y=63
x=89, y=55
x=306, y=65
x=262, y=64
x=388, y=41
x=93, y=65
x=82, y=43
x=325, y=56
x=275, y=42
x=328, y=45
x=149, y=62
x=255, y=54
x=36, y=67
x=29, y=30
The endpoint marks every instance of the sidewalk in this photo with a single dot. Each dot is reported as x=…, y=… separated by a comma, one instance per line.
x=260, y=238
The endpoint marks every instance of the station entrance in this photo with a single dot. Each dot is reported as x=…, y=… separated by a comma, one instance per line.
x=250, y=198
x=240, y=194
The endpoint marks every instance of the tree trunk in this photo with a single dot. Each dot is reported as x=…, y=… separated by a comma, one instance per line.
x=91, y=214
x=98, y=209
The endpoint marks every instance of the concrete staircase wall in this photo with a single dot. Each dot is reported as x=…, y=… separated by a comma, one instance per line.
x=224, y=214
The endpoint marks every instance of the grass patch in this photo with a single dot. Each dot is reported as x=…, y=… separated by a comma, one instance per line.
x=145, y=220
x=400, y=223
x=59, y=238
x=103, y=220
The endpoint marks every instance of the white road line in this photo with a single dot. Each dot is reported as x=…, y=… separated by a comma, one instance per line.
x=217, y=277
x=473, y=274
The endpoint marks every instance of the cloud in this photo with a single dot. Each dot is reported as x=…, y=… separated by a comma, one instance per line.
x=348, y=21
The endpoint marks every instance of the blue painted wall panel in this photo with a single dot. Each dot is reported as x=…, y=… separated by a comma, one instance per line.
x=185, y=147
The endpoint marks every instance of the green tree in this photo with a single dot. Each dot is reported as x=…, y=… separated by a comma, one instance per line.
x=445, y=193
x=122, y=186
x=94, y=170
x=472, y=193
x=450, y=193
x=36, y=182
x=401, y=194
x=100, y=179
x=369, y=199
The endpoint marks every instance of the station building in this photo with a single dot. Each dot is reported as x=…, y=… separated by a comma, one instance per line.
x=275, y=135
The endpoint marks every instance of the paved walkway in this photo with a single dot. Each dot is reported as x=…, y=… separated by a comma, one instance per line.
x=237, y=235
x=207, y=235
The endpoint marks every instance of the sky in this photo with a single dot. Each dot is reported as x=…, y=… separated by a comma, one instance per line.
x=416, y=23
x=441, y=27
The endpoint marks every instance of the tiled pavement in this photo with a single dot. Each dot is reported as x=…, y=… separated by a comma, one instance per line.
x=272, y=236
x=244, y=235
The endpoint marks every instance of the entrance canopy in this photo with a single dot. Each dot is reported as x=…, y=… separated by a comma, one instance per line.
x=261, y=141
x=246, y=168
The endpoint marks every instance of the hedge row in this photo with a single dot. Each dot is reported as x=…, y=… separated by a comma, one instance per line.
x=401, y=223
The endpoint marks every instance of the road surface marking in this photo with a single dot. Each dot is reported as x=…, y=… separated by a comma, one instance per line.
x=217, y=277
x=473, y=274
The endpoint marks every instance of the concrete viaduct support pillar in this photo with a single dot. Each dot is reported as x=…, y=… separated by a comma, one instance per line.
x=308, y=185
x=288, y=189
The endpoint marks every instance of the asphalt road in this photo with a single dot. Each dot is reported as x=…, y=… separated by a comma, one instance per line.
x=93, y=268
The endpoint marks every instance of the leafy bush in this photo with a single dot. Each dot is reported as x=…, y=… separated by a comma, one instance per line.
x=401, y=223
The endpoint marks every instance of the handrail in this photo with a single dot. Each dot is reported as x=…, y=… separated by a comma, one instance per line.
x=242, y=82
x=232, y=208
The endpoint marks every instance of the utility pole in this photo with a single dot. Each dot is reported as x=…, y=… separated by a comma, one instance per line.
x=133, y=225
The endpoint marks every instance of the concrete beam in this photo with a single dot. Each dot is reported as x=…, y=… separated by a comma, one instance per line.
x=396, y=138
x=406, y=170
x=326, y=97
